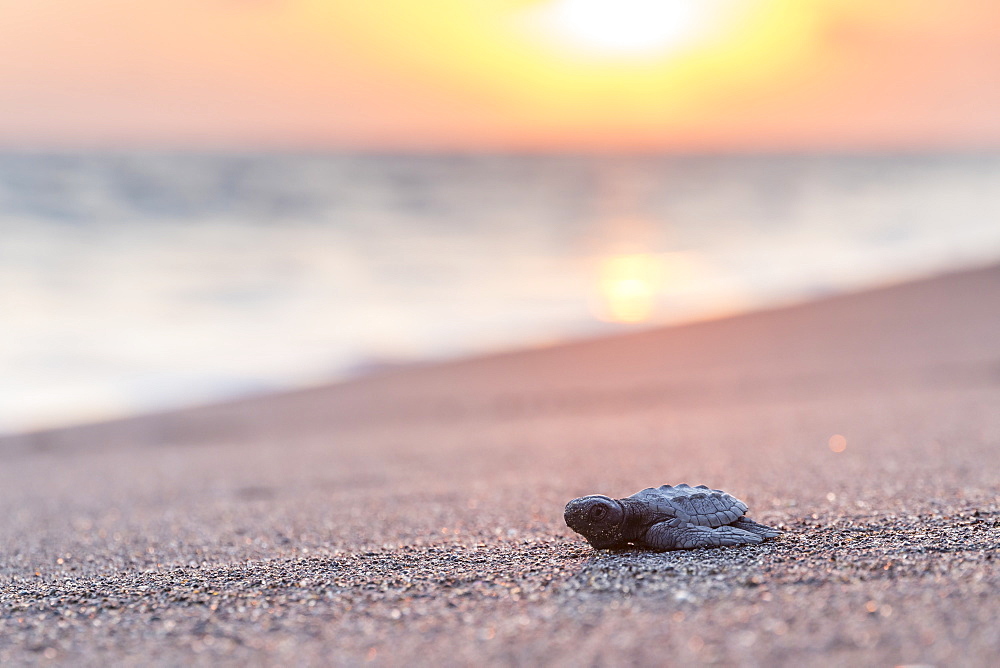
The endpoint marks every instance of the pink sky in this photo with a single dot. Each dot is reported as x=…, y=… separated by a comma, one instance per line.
x=394, y=74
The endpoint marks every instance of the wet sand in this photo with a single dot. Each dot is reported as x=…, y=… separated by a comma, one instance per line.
x=416, y=518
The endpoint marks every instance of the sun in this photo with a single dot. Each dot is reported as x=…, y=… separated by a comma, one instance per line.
x=625, y=28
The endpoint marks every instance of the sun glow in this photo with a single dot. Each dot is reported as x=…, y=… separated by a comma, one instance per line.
x=626, y=27
x=557, y=73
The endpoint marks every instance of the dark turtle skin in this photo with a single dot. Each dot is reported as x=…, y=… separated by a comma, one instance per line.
x=665, y=518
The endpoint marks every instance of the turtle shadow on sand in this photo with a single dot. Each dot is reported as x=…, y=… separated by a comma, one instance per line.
x=686, y=575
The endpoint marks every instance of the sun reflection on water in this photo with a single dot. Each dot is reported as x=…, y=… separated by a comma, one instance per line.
x=632, y=287
x=628, y=287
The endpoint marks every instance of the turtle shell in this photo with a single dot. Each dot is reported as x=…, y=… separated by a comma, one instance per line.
x=699, y=506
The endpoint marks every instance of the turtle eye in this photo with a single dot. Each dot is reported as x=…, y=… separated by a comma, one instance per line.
x=598, y=513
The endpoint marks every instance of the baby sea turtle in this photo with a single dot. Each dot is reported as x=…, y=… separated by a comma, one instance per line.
x=665, y=518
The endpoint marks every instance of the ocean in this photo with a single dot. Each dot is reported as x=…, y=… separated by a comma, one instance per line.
x=135, y=282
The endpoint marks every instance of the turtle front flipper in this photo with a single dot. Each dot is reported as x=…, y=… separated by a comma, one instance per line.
x=662, y=536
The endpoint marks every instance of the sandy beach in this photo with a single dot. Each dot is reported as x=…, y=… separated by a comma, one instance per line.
x=416, y=517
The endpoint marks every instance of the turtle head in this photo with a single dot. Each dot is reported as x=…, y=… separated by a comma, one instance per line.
x=597, y=518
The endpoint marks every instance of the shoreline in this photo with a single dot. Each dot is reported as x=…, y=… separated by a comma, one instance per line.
x=400, y=373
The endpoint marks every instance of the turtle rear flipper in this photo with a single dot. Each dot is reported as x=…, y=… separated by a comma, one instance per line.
x=747, y=524
x=662, y=536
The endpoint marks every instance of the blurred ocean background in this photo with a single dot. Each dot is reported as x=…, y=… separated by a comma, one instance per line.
x=135, y=282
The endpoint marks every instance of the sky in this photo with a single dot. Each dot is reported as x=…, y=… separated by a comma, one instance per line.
x=500, y=74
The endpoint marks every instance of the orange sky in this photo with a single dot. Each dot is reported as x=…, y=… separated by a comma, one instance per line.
x=499, y=74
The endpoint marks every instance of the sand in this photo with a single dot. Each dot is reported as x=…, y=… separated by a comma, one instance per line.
x=416, y=518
